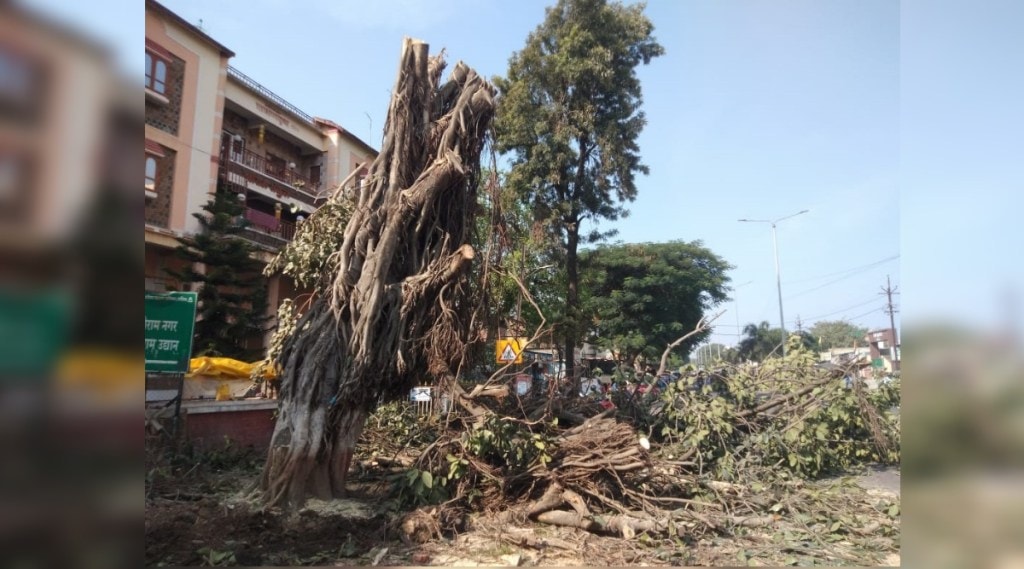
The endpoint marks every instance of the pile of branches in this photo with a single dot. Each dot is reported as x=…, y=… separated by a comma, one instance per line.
x=713, y=452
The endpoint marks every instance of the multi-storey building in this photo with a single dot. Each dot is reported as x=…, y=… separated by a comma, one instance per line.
x=186, y=72
x=59, y=94
x=210, y=127
x=281, y=161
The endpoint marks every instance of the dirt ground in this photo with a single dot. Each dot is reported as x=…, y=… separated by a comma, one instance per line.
x=205, y=517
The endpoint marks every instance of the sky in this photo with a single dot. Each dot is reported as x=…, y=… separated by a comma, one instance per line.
x=874, y=115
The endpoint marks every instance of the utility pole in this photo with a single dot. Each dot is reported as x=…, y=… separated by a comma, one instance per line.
x=799, y=324
x=888, y=291
x=778, y=272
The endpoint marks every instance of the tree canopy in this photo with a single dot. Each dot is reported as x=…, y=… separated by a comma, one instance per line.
x=232, y=299
x=570, y=116
x=638, y=298
x=838, y=334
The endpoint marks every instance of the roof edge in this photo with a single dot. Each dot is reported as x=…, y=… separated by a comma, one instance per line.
x=160, y=8
x=327, y=123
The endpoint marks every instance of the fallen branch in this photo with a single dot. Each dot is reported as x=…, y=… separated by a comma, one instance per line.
x=701, y=326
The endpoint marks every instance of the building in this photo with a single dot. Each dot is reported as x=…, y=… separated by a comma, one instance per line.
x=210, y=127
x=67, y=119
x=282, y=163
x=885, y=350
x=186, y=74
x=59, y=94
x=857, y=359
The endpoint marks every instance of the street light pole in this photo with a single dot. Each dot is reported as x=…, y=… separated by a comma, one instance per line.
x=778, y=271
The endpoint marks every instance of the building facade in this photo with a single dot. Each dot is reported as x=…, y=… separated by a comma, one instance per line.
x=186, y=73
x=885, y=350
x=58, y=95
x=209, y=128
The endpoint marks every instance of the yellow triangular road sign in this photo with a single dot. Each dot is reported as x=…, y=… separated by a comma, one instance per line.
x=508, y=354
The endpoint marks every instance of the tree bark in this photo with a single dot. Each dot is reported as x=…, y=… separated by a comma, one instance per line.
x=391, y=308
x=572, y=301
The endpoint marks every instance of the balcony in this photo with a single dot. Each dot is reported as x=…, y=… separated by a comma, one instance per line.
x=266, y=229
x=281, y=173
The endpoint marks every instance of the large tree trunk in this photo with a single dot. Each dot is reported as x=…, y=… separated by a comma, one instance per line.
x=572, y=301
x=391, y=310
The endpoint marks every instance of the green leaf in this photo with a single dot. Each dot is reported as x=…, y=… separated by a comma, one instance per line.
x=428, y=479
x=894, y=510
x=836, y=526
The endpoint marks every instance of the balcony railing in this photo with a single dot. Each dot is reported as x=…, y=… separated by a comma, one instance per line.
x=267, y=223
x=277, y=171
x=277, y=99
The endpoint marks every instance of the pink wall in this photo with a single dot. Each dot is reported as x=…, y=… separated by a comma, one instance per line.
x=245, y=428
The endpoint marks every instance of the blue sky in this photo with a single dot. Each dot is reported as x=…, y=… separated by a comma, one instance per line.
x=856, y=110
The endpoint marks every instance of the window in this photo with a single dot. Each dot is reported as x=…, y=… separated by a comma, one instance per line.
x=314, y=175
x=156, y=73
x=150, y=173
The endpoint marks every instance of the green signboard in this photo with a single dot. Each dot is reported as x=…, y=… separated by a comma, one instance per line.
x=34, y=331
x=170, y=320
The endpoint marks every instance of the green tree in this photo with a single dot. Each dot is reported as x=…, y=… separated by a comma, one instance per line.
x=232, y=295
x=639, y=298
x=761, y=341
x=838, y=334
x=307, y=256
x=570, y=116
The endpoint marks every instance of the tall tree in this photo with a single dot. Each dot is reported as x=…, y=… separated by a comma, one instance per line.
x=570, y=116
x=232, y=295
x=838, y=334
x=638, y=298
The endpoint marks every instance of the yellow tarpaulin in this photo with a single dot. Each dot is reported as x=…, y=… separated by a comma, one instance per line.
x=226, y=368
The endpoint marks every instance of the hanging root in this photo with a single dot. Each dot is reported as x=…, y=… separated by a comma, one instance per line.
x=390, y=307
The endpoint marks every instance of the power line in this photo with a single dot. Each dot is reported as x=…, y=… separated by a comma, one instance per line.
x=826, y=275
x=832, y=282
x=858, y=305
x=868, y=313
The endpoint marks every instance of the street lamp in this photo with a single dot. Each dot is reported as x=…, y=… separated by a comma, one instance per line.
x=778, y=274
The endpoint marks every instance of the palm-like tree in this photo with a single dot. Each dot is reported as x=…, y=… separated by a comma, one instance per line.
x=761, y=340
